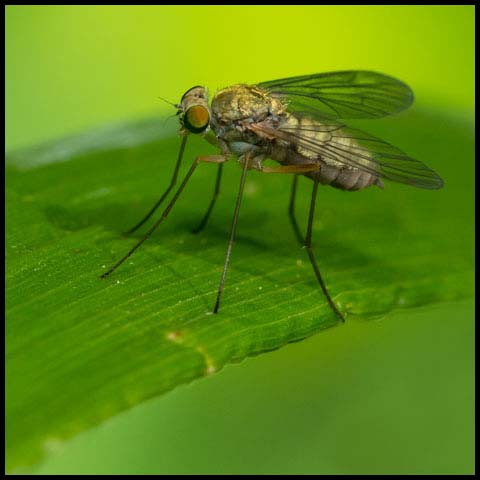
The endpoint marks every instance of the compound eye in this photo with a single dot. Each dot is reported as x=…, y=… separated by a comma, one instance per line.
x=196, y=119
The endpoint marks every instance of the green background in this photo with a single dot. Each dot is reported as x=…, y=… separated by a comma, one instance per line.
x=390, y=396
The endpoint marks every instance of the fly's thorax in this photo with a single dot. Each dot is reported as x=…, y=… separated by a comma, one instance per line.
x=244, y=104
x=195, y=114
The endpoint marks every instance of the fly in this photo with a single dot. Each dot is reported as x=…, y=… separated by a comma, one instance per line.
x=297, y=122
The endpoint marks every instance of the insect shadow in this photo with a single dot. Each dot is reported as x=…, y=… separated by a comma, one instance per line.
x=259, y=251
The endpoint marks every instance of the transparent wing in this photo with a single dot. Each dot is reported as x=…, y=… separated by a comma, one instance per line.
x=348, y=94
x=337, y=143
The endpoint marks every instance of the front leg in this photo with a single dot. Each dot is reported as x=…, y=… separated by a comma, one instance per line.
x=202, y=158
x=213, y=158
x=167, y=191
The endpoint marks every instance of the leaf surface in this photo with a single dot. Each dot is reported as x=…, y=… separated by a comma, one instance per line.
x=79, y=349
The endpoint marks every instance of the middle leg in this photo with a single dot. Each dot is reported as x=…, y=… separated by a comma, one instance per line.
x=204, y=221
x=291, y=211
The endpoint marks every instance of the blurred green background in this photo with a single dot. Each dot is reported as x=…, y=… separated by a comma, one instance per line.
x=72, y=67
x=393, y=396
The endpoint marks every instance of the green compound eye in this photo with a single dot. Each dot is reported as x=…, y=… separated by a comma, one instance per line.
x=196, y=119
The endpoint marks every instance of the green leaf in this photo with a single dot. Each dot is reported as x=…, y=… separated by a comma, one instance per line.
x=79, y=349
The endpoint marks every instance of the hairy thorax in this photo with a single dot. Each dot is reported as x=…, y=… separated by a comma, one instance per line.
x=235, y=107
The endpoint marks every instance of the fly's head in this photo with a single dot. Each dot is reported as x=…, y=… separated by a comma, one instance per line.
x=193, y=110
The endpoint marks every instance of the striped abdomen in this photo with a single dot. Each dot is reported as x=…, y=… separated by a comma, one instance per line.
x=331, y=172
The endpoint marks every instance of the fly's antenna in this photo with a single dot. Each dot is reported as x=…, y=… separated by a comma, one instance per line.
x=175, y=105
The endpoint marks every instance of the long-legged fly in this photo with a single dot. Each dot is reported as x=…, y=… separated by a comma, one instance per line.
x=297, y=122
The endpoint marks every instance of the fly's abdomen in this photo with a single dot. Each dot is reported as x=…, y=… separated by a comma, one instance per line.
x=345, y=178
x=331, y=171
